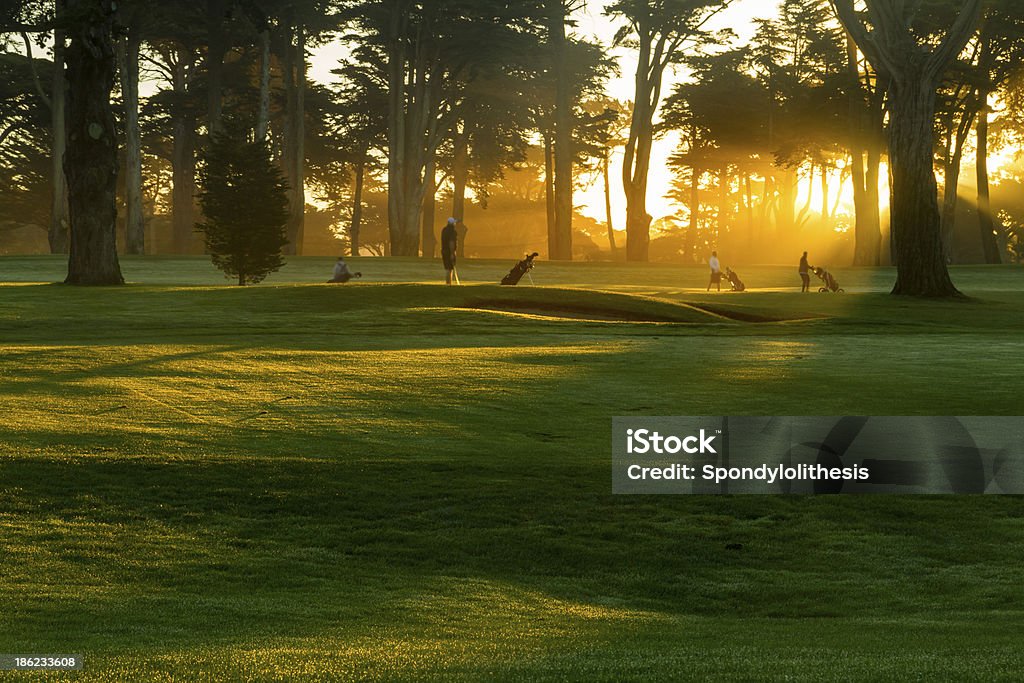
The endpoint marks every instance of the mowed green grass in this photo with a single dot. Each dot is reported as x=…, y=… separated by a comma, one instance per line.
x=397, y=480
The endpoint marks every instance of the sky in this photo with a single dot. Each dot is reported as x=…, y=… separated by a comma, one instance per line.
x=592, y=23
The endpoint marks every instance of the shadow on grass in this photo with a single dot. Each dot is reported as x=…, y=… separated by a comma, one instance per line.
x=221, y=550
x=460, y=493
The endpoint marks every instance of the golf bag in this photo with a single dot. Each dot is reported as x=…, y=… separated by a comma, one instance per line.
x=734, y=280
x=520, y=270
x=831, y=284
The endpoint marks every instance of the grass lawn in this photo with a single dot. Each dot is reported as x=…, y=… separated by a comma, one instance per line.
x=399, y=480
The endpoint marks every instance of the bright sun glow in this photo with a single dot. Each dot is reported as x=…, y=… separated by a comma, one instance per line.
x=740, y=17
x=592, y=23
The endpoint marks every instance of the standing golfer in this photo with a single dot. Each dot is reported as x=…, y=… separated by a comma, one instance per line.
x=805, y=273
x=450, y=249
x=716, y=271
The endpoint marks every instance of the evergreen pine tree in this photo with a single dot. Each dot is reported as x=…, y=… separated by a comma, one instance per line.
x=244, y=200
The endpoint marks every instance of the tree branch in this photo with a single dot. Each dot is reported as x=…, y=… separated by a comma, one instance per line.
x=874, y=52
x=964, y=27
x=10, y=129
x=19, y=27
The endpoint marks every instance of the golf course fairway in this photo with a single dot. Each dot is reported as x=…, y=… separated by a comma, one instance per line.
x=397, y=480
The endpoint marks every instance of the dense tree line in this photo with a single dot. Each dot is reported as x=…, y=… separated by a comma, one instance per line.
x=109, y=107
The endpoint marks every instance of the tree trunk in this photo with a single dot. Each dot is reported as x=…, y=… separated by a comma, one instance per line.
x=135, y=221
x=950, y=197
x=870, y=236
x=412, y=121
x=724, y=213
x=749, y=185
x=215, y=50
x=866, y=236
x=549, y=194
x=357, y=207
x=294, y=156
x=606, y=172
x=397, y=123
x=690, y=244
x=263, y=117
x=892, y=235
x=951, y=189
x=986, y=221
x=460, y=173
x=638, y=221
x=91, y=159
x=868, y=229
x=183, y=165
x=785, y=220
x=767, y=201
x=825, y=213
x=563, y=148
x=873, y=172
x=428, y=243
x=802, y=216
x=916, y=229
x=58, y=232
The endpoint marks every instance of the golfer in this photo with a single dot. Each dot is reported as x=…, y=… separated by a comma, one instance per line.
x=805, y=273
x=342, y=273
x=450, y=249
x=716, y=271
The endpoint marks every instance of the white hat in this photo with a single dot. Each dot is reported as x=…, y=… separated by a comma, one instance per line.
x=452, y=221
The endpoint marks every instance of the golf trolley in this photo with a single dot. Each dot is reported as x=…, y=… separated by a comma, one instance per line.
x=831, y=284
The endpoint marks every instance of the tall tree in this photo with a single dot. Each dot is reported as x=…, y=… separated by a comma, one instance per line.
x=360, y=126
x=179, y=60
x=416, y=75
x=175, y=40
x=721, y=116
x=59, y=222
x=41, y=18
x=216, y=47
x=589, y=70
x=293, y=158
x=1001, y=54
x=492, y=126
x=800, y=60
x=261, y=22
x=613, y=119
x=25, y=137
x=867, y=140
x=91, y=159
x=129, y=45
x=914, y=66
x=432, y=51
x=559, y=13
x=956, y=112
x=659, y=31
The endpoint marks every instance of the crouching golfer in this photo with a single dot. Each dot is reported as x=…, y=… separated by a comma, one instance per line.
x=450, y=249
x=342, y=273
